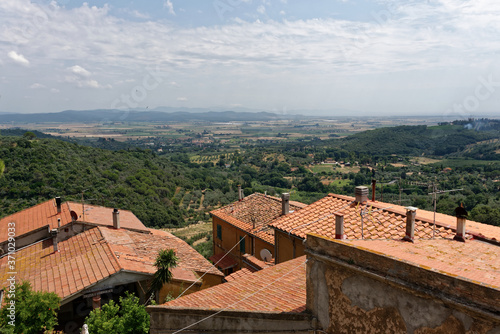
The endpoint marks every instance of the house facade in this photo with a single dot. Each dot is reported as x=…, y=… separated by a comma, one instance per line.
x=241, y=234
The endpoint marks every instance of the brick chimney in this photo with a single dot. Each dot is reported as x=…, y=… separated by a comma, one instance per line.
x=462, y=215
x=96, y=302
x=411, y=213
x=339, y=226
x=285, y=203
x=460, y=236
x=54, y=233
x=116, y=218
x=361, y=194
x=58, y=204
x=240, y=193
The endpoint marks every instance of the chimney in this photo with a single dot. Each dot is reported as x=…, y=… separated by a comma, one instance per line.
x=58, y=222
x=285, y=203
x=460, y=236
x=58, y=204
x=116, y=218
x=411, y=212
x=96, y=302
x=339, y=226
x=374, y=183
x=361, y=194
x=54, y=233
x=240, y=193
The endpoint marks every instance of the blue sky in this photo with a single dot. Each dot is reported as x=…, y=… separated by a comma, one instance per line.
x=336, y=57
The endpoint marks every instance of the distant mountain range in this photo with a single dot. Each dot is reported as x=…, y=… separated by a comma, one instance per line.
x=107, y=115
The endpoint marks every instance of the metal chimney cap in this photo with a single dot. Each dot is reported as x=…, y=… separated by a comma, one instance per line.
x=411, y=208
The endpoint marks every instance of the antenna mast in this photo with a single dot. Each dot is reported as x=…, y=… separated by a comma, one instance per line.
x=435, y=193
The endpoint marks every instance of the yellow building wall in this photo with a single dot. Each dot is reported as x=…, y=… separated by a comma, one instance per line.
x=231, y=236
x=288, y=247
x=260, y=245
x=175, y=288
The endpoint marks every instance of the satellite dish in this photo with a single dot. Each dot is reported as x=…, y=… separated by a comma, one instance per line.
x=266, y=255
x=74, y=215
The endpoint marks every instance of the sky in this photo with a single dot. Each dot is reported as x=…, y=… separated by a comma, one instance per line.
x=323, y=57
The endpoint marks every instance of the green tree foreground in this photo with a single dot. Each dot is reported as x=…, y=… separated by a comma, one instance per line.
x=129, y=317
x=35, y=312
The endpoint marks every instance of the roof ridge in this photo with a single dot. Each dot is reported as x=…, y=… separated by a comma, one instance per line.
x=117, y=261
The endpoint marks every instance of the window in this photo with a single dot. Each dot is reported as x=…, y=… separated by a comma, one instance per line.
x=242, y=245
x=219, y=232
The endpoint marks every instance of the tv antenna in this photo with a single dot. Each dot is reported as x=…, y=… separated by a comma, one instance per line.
x=434, y=194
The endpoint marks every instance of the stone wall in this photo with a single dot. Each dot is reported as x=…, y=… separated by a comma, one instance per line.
x=351, y=290
x=166, y=320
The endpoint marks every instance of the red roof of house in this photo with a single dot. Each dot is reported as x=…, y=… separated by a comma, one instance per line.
x=94, y=255
x=45, y=214
x=473, y=260
x=281, y=289
x=254, y=213
x=372, y=220
x=224, y=260
x=103, y=216
x=34, y=218
x=238, y=274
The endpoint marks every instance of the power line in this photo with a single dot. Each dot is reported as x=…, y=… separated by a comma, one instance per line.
x=241, y=300
x=211, y=267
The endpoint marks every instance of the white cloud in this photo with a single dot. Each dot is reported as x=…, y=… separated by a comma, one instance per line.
x=168, y=4
x=37, y=86
x=18, y=58
x=261, y=9
x=79, y=71
x=182, y=98
x=55, y=90
x=445, y=36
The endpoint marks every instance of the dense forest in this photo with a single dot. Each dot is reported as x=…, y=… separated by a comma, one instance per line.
x=180, y=186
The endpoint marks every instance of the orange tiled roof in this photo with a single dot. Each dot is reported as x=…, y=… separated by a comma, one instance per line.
x=473, y=260
x=255, y=263
x=380, y=221
x=99, y=215
x=254, y=213
x=238, y=274
x=92, y=256
x=281, y=288
x=81, y=262
x=224, y=260
x=137, y=251
x=45, y=214
x=34, y=218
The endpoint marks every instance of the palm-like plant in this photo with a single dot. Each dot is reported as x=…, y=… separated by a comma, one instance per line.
x=165, y=261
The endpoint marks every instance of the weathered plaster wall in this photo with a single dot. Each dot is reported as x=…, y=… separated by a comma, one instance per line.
x=169, y=320
x=347, y=297
x=288, y=246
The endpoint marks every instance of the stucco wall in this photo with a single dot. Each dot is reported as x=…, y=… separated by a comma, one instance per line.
x=288, y=247
x=348, y=296
x=231, y=236
x=168, y=320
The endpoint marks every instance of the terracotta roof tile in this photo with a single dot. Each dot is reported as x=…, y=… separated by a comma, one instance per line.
x=473, y=260
x=254, y=213
x=36, y=217
x=281, y=288
x=91, y=256
x=224, y=260
x=371, y=220
x=45, y=215
x=238, y=274
x=99, y=215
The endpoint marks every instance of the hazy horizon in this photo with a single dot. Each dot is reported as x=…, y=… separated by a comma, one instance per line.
x=351, y=58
